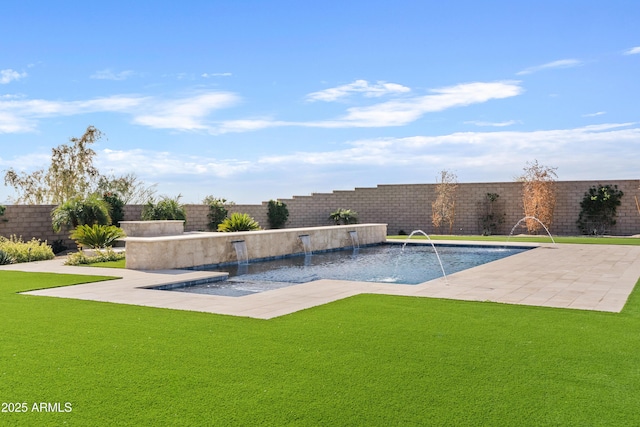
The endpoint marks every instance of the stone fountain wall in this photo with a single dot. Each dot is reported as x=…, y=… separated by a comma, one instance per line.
x=201, y=248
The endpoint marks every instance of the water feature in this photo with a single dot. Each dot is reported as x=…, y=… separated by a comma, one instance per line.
x=241, y=251
x=432, y=245
x=354, y=239
x=535, y=219
x=385, y=263
x=306, y=244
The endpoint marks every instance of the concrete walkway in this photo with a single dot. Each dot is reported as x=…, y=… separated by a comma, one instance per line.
x=587, y=277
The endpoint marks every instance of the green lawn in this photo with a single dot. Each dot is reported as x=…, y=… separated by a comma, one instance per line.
x=369, y=360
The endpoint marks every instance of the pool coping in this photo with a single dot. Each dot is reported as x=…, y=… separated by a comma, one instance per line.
x=574, y=276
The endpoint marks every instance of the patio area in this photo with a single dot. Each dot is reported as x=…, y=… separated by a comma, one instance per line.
x=573, y=276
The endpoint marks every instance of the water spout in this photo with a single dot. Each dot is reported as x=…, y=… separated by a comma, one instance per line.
x=306, y=244
x=354, y=239
x=535, y=219
x=241, y=251
x=434, y=249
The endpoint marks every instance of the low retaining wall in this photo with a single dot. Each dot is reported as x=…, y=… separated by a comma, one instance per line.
x=152, y=228
x=199, y=249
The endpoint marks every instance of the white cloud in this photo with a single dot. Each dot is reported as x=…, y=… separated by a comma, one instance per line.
x=109, y=74
x=632, y=51
x=378, y=89
x=208, y=75
x=599, y=113
x=562, y=63
x=477, y=149
x=9, y=75
x=186, y=113
x=492, y=124
x=401, y=112
x=152, y=164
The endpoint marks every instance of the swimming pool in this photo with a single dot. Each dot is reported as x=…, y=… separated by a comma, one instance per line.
x=386, y=263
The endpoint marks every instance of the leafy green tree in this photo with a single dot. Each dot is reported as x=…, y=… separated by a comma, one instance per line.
x=116, y=207
x=217, y=211
x=165, y=209
x=599, y=207
x=70, y=174
x=278, y=214
x=238, y=222
x=77, y=211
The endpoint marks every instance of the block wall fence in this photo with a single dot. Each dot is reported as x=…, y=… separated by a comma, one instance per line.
x=404, y=207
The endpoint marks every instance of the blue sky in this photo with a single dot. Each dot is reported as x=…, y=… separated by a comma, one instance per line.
x=258, y=100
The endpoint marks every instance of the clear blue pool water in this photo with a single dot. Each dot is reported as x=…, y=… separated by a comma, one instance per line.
x=386, y=263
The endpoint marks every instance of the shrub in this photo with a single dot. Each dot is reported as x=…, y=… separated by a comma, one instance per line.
x=599, y=207
x=166, y=209
x=33, y=250
x=96, y=236
x=2, y=209
x=344, y=216
x=278, y=214
x=239, y=222
x=217, y=211
x=79, y=258
x=77, y=211
x=538, y=195
x=493, y=216
x=5, y=258
x=116, y=207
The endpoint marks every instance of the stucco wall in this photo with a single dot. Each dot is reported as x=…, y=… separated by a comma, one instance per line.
x=404, y=207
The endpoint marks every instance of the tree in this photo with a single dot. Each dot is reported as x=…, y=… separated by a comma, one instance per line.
x=599, y=207
x=538, y=194
x=70, y=174
x=77, y=211
x=277, y=214
x=127, y=187
x=217, y=211
x=443, y=209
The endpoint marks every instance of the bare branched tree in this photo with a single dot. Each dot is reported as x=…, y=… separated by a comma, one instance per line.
x=538, y=194
x=443, y=209
x=129, y=188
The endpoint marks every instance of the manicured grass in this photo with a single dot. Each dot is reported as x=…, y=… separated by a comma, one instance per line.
x=536, y=239
x=369, y=360
x=109, y=264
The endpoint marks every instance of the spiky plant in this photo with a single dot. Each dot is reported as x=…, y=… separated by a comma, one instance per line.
x=239, y=222
x=97, y=236
x=5, y=258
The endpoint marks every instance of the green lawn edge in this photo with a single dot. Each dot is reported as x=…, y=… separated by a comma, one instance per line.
x=364, y=360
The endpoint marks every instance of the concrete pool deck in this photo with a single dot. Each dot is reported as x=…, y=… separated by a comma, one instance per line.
x=586, y=277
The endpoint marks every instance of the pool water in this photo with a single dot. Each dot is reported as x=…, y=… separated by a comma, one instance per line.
x=386, y=263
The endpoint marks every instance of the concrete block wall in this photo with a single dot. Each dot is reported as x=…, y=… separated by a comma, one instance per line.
x=405, y=207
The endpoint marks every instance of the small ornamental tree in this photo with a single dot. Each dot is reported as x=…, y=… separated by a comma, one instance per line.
x=116, y=207
x=538, y=195
x=599, y=207
x=278, y=214
x=492, y=215
x=217, y=211
x=443, y=209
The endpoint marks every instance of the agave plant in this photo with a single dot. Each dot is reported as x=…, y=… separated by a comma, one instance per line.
x=97, y=236
x=239, y=222
x=5, y=258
